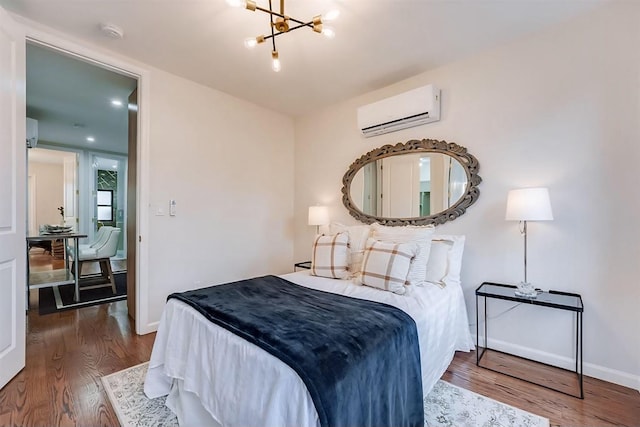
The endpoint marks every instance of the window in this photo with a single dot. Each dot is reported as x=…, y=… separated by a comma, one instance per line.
x=105, y=205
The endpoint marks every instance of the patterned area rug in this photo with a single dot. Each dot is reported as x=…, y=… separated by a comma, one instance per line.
x=446, y=405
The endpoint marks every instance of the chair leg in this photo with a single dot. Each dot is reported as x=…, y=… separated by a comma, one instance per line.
x=104, y=268
x=107, y=266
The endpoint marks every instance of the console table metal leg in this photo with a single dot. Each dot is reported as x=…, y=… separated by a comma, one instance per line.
x=477, y=334
x=480, y=353
x=581, y=374
x=76, y=295
x=486, y=344
x=577, y=339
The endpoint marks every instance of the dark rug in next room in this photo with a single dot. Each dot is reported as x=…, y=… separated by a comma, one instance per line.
x=60, y=298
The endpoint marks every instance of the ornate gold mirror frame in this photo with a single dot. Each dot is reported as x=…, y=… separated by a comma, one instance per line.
x=459, y=153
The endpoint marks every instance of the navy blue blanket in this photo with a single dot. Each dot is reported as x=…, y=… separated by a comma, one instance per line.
x=359, y=359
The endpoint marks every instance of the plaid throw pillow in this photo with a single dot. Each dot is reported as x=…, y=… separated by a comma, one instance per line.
x=386, y=265
x=331, y=256
x=419, y=234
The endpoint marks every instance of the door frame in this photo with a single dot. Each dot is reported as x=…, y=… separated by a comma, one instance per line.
x=97, y=56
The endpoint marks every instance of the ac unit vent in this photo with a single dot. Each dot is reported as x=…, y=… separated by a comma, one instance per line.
x=413, y=108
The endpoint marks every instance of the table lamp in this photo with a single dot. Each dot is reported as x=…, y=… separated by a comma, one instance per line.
x=318, y=215
x=528, y=204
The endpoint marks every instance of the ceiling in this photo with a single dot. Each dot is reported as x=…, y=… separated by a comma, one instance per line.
x=377, y=43
x=72, y=101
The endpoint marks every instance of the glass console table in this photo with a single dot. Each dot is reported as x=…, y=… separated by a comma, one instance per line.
x=551, y=299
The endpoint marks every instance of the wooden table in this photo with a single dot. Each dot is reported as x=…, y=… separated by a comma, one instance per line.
x=46, y=279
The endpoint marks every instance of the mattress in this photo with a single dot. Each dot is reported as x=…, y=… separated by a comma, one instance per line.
x=213, y=377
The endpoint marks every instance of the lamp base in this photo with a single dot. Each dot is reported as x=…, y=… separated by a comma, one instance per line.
x=526, y=289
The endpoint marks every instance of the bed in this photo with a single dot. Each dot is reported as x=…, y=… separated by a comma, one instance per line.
x=215, y=378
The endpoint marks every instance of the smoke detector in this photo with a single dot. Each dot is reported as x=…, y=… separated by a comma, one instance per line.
x=112, y=31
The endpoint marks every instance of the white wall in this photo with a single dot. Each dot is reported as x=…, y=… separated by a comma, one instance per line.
x=229, y=166
x=49, y=192
x=557, y=109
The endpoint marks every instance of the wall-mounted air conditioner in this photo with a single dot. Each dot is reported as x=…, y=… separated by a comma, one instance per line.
x=413, y=108
x=32, y=133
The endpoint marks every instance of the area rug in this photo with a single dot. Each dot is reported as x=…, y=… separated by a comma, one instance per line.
x=446, y=405
x=59, y=298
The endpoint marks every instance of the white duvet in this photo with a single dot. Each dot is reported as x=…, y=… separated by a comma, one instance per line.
x=214, y=377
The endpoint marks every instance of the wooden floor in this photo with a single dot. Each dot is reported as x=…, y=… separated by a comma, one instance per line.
x=604, y=404
x=68, y=352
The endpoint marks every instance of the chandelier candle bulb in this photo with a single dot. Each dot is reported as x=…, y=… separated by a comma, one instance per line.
x=276, y=62
x=250, y=42
x=328, y=32
x=237, y=3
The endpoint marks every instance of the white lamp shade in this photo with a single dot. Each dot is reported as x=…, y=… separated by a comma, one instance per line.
x=318, y=215
x=529, y=204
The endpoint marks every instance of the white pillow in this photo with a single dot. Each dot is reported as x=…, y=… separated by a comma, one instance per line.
x=386, y=265
x=358, y=235
x=445, y=260
x=421, y=235
x=438, y=264
x=330, y=256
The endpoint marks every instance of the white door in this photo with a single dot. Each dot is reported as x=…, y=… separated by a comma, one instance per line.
x=401, y=186
x=439, y=182
x=13, y=189
x=70, y=172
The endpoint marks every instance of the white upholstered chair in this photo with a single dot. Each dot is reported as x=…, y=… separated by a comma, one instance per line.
x=101, y=236
x=100, y=251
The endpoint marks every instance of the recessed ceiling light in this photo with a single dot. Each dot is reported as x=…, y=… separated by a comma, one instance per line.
x=91, y=139
x=116, y=103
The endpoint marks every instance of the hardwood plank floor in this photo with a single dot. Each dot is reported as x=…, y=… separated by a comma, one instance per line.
x=604, y=404
x=67, y=354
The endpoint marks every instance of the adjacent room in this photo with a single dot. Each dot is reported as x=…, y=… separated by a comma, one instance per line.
x=77, y=122
x=319, y=213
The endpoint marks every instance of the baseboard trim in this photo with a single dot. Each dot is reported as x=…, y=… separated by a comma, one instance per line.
x=590, y=369
x=149, y=328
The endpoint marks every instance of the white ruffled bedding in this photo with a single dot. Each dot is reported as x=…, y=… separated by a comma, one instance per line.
x=216, y=378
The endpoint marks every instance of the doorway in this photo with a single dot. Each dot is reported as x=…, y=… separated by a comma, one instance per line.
x=81, y=106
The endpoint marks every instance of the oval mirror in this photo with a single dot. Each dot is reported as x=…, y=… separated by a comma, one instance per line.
x=419, y=182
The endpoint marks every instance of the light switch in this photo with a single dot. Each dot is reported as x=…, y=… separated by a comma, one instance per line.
x=172, y=207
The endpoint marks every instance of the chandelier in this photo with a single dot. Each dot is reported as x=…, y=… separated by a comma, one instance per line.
x=281, y=23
